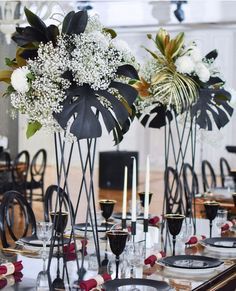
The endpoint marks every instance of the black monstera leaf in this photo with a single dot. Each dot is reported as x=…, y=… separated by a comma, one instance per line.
x=81, y=100
x=212, y=105
x=156, y=117
x=30, y=37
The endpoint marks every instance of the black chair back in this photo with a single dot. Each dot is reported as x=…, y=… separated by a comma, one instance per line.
x=9, y=216
x=37, y=173
x=20, y=169
x=5, y=172
x=208, y=176
x=191, y=186
x=224, y=170
x=173, y=192
x=50, y=197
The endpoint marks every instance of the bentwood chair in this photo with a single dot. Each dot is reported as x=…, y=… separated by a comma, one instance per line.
x=224, y=170
x=173, y=192
x=37, y=173
x=208, y=176
x=13, y=203
x=52, y=199
x=19, y=172
x=191, y=186
x=5, y=170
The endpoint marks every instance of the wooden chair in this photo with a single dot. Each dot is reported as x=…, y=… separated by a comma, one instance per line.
x=37, y=173
x=208, y=176
x=50, y=199
x=13, y=203
x=5, y=170
x=19, y=173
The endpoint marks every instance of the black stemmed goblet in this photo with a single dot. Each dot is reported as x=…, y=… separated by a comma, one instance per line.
x=107, y=207
x=117, y=240
x=60, y=219
x=142, y=198
x=211, y=208
x=234, y=198
x=174, y=222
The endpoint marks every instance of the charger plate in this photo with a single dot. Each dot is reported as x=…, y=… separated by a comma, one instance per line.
x=100, y=228
x=220, y=244
x=190, y=264
x=114, y=285
x=35, y=242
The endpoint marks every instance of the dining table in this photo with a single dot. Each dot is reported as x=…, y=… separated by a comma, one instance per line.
x=63, y=274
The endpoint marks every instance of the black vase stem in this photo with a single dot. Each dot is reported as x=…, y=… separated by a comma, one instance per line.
x=174, y=242
x=210, y=228
x=117, y=266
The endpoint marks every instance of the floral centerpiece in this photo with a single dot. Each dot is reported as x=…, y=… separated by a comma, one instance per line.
x=63, y=77
x=178, y=77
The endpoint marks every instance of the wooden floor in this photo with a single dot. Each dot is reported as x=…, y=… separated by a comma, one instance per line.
x=156, y=187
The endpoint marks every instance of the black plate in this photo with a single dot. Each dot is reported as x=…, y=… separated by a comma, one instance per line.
x=112, y=285
x=191, y=262
x=27, y=240
x=118, y=215
x=221, y=242
x=101, y=228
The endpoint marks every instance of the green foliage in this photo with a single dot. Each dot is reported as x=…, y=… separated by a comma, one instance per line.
x=32, y=128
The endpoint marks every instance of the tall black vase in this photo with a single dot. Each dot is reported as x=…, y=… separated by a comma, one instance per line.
x=86, y=158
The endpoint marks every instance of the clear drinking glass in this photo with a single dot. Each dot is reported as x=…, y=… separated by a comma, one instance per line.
x=221, y=218
x=44, y=233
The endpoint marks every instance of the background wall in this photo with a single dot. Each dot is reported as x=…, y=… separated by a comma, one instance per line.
x=211, y=23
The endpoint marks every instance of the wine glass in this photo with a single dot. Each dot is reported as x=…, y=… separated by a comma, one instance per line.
x=142, y=198
x=107, y=207
x=44, y=233
x=42, y=281
x=221, y=218
x=59, y=219
x=174, y=222
x=117, y=240
x=211, y=208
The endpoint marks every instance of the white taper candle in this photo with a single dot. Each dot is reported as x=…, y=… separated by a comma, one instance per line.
x=147, y=189
x=124, y=205
x=134, y=192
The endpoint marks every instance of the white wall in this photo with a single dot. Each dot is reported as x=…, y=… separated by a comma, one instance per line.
x=208, y=36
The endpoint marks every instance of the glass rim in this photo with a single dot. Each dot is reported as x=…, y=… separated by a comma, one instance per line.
x=143, y=192
x=108, y=201
x=115, y=231
x=211, y=203
x=59, y=212
x=44, y=223
x=172, y=215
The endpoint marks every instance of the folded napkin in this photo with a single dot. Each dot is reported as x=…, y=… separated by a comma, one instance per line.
x=10, y=280
x=227, y=225
x=10, y=268
x=151, y=260
x=95, y=282
x=80, y=245
x=193, y=240
x=154, y=220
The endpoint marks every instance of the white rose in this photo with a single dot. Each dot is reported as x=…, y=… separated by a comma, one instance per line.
x=184, y=65
x=195, y=54
x=202, y=72
x=19, y=80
